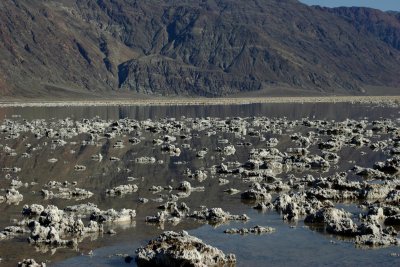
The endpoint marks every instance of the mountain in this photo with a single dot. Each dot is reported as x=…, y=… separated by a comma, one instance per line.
x=87, y=48
x=385, y=26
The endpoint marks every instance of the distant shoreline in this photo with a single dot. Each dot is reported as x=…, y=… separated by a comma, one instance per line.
x=200, y=101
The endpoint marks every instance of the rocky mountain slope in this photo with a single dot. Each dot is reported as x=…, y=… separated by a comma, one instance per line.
x=192, y=47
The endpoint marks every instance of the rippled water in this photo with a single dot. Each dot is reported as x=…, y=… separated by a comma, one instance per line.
x=290, y=245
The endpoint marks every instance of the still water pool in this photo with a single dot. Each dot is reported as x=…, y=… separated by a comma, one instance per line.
x=292, y=244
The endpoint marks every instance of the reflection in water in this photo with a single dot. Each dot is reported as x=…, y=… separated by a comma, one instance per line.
x=326, y=111
x=288, y=246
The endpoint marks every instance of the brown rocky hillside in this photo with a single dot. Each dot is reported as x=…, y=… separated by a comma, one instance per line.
x=192, y=47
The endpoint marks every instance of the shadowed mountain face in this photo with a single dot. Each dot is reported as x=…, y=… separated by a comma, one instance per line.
x=191, y=47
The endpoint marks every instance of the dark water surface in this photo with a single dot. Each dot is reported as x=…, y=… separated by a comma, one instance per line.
x=291, y=244
x=326, y=111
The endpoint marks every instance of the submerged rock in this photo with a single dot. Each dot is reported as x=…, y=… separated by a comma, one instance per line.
x=12, y=196
x=257, y=192
x=390, y=166
x=32, y=210
x=146, y=160
x=336, y=221
x=67, y=193
x=11, y=231
x=187, y=187
x=201, y=153
x=254, y=230
x=83, y=208
x=229, y=150
x=122, y=190
x=180, y=249
x=294, y=205
x=232, y=191
x=52, y=224
x=30, y=263
x=161, y=217
x=377, y=240
x=79, y=168
x=217, y=215
x=111, y=215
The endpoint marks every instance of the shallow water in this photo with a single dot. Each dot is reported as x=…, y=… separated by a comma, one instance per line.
x=288, y=246
x=326, y=111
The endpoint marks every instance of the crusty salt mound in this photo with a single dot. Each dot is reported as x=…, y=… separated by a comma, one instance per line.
x=180, y=249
